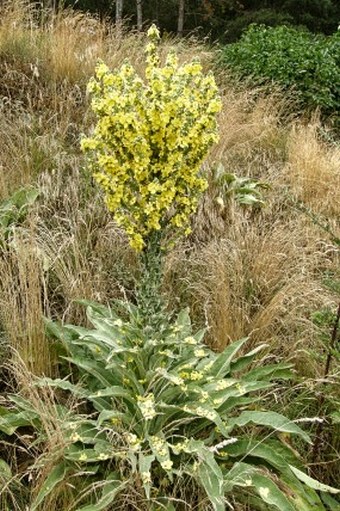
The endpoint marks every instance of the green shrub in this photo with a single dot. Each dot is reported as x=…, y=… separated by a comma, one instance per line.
x=292, y=58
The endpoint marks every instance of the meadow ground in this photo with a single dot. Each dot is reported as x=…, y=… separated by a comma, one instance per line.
x=271, y=273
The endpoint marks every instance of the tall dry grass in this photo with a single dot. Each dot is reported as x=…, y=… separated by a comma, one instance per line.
x=313, y=171
x=259, y=280
x=86, y=255
x=23, y=304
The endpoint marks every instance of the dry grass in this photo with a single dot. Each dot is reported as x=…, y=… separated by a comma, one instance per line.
x=55, y=48
x=23, y=304
x=250, y=126
x=313, y=170
x=258, y=280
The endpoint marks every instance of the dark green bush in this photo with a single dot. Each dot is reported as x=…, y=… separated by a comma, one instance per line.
x=310, y=64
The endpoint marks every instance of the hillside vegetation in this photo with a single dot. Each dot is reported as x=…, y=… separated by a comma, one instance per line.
x=261, y=262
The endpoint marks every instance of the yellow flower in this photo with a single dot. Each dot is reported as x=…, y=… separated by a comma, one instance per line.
x=200, y=353
x=150, y=141
x=133, y=441
x=167, y=465
x=153, y=32
x=76, y=437
x=146, y=477
x=223, y=384
x=147, y=406
x=190, y=340
x=204, y=396
x=196, y=376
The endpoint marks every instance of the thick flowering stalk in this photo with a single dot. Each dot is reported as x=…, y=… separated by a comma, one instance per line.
x=150, y=140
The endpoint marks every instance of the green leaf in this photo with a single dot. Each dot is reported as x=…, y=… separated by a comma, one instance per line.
x=271, y=372
x=57, y=475
x=111, y=487
x=11, y=421
x=97, y=308
x=113, y=391
x=279, y=456
x=102, y=339
x=332, y=504
x=239, y=475
x=87, y=431
x=335, y=416
x=14, y=209
x=106, y=378
x=56, y=330
x=312, y=483
x=248, y=476
x=273, y=420
x=270, y=493
x=22, y=198
x=212, y=482
x=221, y=366
x=104, y=325
x=233, y=396
x=183, y=322
x=248, y=199
x=108, y=415
x=259, y=449
x=80, y=455
x=76, y=390
x=246, y=359
x=145, y=463
x=208, y=472
x=5, y=471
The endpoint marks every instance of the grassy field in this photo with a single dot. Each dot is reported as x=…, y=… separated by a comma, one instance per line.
x=271, y=273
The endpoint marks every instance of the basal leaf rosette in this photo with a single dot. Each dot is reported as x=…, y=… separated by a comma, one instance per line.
x=150, y=140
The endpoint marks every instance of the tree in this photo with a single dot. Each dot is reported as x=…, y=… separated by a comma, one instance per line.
x=119, y=12
x=180, y=26
x=139, y=14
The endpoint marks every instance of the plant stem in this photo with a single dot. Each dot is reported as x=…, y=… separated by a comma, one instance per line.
x=332, y=346
x=149, y=300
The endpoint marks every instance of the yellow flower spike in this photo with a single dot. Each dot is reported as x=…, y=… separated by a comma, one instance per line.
x=153, y=33
x=150, y=141
x=101, y=70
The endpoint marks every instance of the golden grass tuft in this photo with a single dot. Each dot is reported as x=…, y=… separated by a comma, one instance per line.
x=313, y=169
x=259, y=281
x=23, y=304
x=86, y=255
x=247, y=121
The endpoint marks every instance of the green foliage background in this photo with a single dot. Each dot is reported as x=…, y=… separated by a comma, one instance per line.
x=292, y=58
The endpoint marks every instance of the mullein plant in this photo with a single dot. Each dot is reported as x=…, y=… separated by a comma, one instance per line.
x=163, y=422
